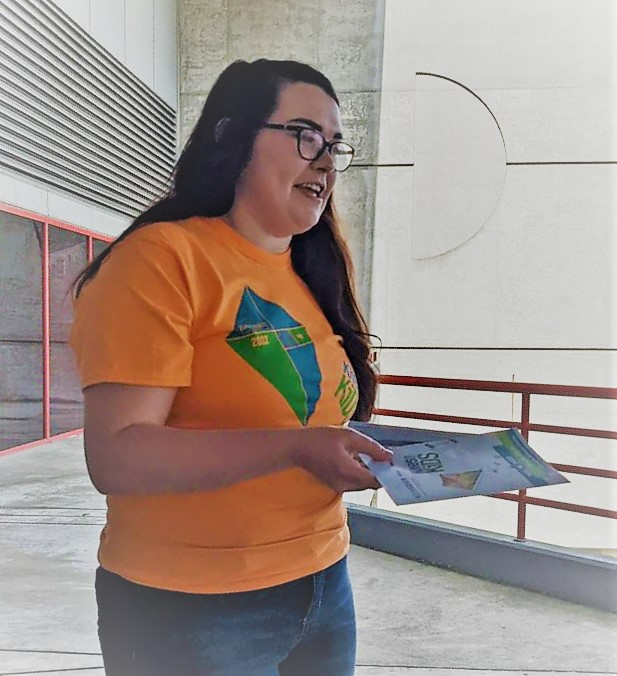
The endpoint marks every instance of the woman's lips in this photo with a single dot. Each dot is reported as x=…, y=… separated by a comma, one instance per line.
x=307, y=192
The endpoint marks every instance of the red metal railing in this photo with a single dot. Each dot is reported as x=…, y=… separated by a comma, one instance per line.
x=526, y=390
x=45, y=222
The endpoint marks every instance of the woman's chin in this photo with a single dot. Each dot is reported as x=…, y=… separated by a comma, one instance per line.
x=306, y=222
x=305, y=227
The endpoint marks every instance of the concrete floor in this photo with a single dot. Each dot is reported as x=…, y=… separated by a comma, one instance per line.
x=413, y=619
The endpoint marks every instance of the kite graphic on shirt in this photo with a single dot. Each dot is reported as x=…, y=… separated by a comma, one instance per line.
x=280, y=349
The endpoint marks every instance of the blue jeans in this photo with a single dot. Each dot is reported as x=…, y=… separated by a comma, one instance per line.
x=301, y=628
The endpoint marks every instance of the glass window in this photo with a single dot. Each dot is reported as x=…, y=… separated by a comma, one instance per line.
x=98, y=246
x=67, y=256
x=21, y=331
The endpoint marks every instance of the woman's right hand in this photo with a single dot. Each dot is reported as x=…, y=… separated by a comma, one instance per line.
x=331, y=455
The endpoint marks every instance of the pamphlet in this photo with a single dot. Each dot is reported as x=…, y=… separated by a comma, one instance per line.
x=437, y=465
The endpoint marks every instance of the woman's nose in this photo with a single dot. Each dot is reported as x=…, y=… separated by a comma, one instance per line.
x=325, y=161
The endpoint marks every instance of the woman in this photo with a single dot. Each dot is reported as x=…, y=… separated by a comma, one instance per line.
x=221, y=352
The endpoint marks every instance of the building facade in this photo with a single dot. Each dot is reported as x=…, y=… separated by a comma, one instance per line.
x=480, y=209
x=88, y=116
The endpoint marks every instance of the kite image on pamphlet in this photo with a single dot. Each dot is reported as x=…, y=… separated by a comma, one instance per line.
x=466, y=480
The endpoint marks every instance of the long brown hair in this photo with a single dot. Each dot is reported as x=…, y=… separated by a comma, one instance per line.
x=203, y=184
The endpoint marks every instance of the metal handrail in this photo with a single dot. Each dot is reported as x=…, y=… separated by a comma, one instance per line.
x=526, y=390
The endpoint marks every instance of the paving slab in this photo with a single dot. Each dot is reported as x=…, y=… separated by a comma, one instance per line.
x=411, y=614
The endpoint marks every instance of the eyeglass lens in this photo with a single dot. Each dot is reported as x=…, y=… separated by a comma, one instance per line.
x=311, y=144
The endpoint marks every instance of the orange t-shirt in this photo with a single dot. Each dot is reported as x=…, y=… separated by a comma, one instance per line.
x=192, y=304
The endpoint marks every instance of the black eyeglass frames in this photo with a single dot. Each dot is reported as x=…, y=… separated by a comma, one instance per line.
x=312, y=145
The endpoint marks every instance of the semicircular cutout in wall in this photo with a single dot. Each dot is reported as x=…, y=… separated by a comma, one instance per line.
x=459, y=166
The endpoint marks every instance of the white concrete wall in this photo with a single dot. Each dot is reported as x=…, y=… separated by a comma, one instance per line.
x=141, y=34
x=537, y=273
x=473, y=249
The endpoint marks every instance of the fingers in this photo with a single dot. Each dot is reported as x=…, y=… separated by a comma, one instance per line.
x=333, y=458
x=364, y=444
x=364, y=478
x=351, y=475
x=368, y=481
x=357, y=475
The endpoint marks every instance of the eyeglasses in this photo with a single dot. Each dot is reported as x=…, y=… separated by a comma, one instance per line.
x=312, y=145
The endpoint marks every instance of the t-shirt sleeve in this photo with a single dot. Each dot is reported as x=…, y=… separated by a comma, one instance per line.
x=133, y=320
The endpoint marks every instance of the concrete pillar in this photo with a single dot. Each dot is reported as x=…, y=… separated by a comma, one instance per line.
x=343, y=39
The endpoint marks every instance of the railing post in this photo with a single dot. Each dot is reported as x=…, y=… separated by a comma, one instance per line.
x=522, y=495
x=46, y=334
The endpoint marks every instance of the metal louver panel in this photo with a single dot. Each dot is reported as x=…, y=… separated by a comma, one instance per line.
x=73, y=117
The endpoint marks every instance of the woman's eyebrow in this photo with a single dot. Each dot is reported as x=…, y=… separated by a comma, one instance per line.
x=313, y=125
